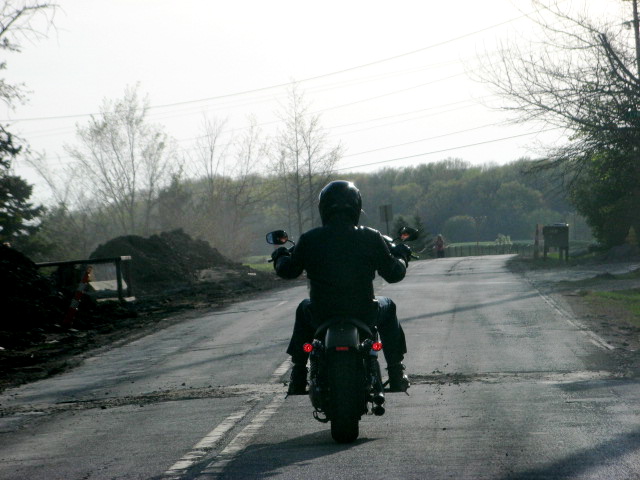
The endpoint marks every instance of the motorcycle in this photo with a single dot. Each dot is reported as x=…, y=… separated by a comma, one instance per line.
x=345, y=381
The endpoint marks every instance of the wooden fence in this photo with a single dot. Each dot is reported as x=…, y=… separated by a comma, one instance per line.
x=476, y=250
x=122, y=272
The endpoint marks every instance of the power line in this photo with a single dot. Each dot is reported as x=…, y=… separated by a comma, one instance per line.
x=442, y=112
x=441, y=150
x=447, y=149
x=272, y=122
x=408, y=113
x=271, y=87
x=369, y=99
x=61, y=130
x=180, y=140
x=390, y=93
x=421, y=140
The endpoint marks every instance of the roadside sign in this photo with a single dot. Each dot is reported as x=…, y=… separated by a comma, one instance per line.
x=556, y=235
x=386, y=215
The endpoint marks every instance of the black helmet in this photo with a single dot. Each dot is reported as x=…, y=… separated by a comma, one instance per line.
x=340, y=196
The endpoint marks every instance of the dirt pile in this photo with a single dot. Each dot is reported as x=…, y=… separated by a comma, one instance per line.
x=168, y=279
x=31, y=330
x=164, y=260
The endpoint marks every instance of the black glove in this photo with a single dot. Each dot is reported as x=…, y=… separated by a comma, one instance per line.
x=277, y=253
x=402, y=251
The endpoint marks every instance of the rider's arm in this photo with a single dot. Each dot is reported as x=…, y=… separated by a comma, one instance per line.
x=391, y=268
x=291, y=266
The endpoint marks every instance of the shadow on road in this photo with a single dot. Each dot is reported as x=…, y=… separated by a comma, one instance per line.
x=604, y=384
x=90, y=383
x=475, y=306
x=590, y=462
x=267, y=460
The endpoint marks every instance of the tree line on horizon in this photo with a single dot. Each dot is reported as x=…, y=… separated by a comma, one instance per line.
x=230, y=188
x=465, y=203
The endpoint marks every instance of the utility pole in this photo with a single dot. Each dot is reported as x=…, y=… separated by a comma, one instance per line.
x=386, y=215
x=636, y=31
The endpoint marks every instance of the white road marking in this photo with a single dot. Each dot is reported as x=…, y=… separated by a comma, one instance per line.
x=280, y=371
x=596, y=339
x=204, y=446
x=201, y=448
x=243, y=439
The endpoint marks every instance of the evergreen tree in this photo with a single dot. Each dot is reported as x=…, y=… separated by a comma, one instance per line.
x=17, y=214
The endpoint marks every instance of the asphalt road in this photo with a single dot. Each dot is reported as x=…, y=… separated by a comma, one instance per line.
x=506, y=385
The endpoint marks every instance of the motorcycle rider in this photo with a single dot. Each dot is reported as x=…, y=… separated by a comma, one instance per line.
x=341, y=259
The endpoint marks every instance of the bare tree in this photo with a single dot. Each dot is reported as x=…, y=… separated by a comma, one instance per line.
x=208, y=165
x=124, y=161
x=290, y=149
x=245, y=189
x=580, y=76
x=210, y=158
x=19, y=22
x=583, y=78
x=304, y=159
x=226, y=168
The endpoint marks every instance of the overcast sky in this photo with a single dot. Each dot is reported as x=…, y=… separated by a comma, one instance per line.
x=391, y=81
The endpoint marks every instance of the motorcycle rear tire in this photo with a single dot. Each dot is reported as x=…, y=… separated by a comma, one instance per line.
x=346, y=387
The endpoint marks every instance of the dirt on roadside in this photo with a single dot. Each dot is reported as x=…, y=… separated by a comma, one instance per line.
x=174, y=278
x=35, y=345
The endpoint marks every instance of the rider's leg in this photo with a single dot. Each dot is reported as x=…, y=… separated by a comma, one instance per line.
x=394, y=345
x=303, y=331
x=391, y=333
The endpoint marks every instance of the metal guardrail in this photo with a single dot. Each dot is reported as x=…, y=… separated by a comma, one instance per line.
x=123, y=272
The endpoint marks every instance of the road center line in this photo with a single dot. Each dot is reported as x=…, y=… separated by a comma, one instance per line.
x=201, y=448
x=280, y=371
x=242, y=440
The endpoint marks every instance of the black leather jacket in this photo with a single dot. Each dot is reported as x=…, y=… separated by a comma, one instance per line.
x=341, y=261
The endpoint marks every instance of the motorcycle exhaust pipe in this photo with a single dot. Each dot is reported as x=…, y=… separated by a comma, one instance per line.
x=378, y=398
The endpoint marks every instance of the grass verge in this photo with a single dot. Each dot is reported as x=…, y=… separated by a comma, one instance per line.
x=261, y=267
x=624, y=304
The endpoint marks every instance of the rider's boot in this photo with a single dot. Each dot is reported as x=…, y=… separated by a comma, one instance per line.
x=398, y=380
x=298, y=382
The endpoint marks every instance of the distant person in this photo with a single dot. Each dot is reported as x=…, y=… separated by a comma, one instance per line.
x=439, y=246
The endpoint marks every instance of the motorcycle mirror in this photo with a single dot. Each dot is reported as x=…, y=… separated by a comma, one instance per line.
x=407, y=234
x=277, y=237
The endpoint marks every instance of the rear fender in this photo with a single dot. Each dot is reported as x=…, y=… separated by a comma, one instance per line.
x=343, y=332
x=342, y=335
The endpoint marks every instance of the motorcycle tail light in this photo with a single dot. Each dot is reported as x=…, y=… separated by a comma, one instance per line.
x=377, y=346
x=307, y=347
x=342, y=349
